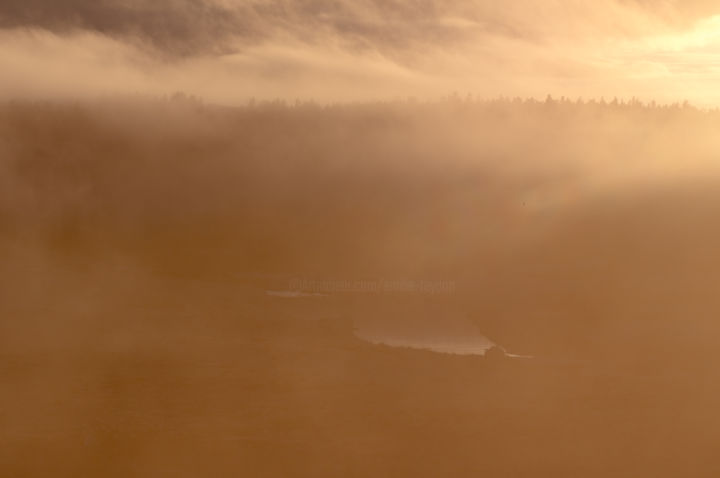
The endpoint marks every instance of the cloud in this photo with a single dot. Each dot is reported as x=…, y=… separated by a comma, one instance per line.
x=231, y=50
x=183, y=27
x=174, y=27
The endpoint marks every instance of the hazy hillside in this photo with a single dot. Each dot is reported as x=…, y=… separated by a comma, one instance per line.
x=138, y=238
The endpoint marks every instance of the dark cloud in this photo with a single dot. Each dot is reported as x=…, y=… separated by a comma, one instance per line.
x=173, y=26
x=185, y=27
x=233, y=50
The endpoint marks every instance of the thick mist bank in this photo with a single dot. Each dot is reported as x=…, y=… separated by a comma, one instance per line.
x=549, y=216
x=138, y=240
x=432, y=180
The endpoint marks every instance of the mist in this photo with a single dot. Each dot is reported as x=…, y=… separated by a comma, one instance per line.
x=176, y=273
x=333, y=238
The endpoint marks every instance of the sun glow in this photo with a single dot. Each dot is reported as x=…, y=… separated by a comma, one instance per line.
x=704, y=37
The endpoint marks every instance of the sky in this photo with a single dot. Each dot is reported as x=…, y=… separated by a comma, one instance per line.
x=229, y=51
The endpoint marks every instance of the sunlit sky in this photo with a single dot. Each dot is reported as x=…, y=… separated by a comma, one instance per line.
x=230, y=51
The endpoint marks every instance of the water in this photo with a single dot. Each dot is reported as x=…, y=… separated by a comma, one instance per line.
x=432, y=330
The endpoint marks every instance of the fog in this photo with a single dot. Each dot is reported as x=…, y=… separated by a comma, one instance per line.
x=407, y=238
x=309, y=290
